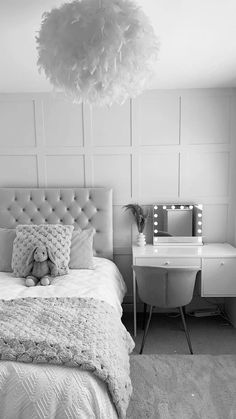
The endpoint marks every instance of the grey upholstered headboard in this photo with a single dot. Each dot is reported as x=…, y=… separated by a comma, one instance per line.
x=81, y=207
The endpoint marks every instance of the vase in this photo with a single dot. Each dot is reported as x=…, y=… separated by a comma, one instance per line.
x=141, y=239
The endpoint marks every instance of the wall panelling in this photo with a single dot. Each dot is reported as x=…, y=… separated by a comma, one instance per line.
x=20, y=131
x=63, y=123
x=168, y=146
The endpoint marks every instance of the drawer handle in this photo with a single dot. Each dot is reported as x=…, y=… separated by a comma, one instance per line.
x=166, y=263
x=222, y=263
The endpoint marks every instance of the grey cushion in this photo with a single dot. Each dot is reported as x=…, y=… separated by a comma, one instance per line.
x=7, y=237
x=56, y=236
x=81, y=251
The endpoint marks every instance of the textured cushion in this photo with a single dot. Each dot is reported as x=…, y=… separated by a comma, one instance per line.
x=56, y=236
x=7, y=237
x=81, y=252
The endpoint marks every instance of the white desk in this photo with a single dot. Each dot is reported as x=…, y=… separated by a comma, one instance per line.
x=217, y=263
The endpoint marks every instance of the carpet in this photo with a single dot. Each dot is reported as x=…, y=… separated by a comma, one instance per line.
x=183, y=387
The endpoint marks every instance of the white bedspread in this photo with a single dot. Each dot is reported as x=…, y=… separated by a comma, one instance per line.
x=103, y=283
x=55, y=392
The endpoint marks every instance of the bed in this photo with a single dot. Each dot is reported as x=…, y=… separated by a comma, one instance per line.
x=74, y=389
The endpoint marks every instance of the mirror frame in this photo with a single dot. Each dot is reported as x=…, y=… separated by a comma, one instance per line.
x=195, y=239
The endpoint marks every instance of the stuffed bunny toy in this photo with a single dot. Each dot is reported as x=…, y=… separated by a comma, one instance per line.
x=40, y=264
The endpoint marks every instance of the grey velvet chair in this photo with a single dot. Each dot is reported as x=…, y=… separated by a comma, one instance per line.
x=165, y=288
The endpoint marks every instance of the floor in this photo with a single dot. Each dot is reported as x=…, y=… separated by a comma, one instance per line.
x=209, y=335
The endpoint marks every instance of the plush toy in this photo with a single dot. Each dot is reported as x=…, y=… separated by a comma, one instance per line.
x=40, y=266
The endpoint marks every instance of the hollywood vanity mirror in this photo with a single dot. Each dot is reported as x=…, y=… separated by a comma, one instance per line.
x=177, y=224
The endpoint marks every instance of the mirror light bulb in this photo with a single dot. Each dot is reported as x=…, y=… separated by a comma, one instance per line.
x=164, y=207
x=155, y=207
x=199, y=223
x=190, y=207
x=199, y=230
x=172, y=207
x=155, y=215
x=155, y=223
x=155, y=231
x=181, y=207
x=199, y=215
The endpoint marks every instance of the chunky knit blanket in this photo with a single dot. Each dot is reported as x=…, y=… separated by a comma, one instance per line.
x=75, y=332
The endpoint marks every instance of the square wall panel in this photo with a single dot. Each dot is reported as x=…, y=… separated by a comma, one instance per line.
x=214, y=223
x=111, y=126
x=205, y=119
x=19, y=171
x=158, y=176
x=17, y=124
x=204, y=174
x=65, y=171
x=122, y=227
x=157, y=118
x=114, y=171
x=63, y=124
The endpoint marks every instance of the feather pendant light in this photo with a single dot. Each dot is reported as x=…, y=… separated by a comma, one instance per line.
x=98, y=51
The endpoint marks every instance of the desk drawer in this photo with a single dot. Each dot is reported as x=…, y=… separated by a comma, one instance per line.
x=165, y=262
x=219, y=277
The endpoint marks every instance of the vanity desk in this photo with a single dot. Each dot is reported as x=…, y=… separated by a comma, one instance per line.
x=216, y=261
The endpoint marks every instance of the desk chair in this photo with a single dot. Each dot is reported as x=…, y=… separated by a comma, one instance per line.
x=165, y=288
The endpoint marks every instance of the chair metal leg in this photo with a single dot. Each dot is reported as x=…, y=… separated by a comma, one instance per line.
x=144, y=315
x=186, y=330
x=146, y=330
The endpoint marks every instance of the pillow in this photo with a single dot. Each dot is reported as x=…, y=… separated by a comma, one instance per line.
x=7, y=237
x=81, y=251
x=55, y=236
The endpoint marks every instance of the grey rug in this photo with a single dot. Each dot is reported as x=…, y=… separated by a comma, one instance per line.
x=183, y=387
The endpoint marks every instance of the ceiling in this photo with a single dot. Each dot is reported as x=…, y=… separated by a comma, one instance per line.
x=198, y=43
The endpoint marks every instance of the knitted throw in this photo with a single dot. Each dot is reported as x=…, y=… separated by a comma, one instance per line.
x=75, y=332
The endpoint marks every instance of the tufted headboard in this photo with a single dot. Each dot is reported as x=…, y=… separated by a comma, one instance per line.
x=81, y=207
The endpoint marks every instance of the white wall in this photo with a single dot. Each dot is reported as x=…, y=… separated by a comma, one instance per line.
x=165, y=146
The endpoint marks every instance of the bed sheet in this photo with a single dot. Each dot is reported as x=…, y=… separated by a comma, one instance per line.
x=103, y=283
x=48, y=391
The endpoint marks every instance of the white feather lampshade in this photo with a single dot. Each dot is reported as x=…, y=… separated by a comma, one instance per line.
x=98, y=51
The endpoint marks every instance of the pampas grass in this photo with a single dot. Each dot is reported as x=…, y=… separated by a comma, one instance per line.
x=139, y=215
